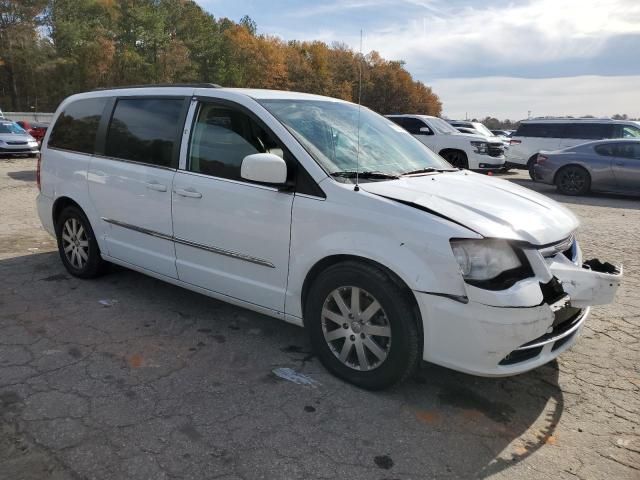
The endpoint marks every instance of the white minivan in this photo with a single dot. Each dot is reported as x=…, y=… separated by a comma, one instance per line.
x=323, y=214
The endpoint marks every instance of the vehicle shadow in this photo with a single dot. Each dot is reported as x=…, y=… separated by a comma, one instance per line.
x=443, y=422
x=24, y=175
x=592, y=199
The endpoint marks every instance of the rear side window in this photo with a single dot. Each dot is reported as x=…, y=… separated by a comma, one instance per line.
x=146, y=130
x=540, y=130
x=607, y=150
x=77, y=126
x=589, y=131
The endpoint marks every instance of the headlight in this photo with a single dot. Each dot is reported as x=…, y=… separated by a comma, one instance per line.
x=484, y=259
x=480, y=147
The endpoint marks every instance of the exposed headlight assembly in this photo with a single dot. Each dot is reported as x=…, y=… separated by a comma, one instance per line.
x=480, y=147
x=492, y=264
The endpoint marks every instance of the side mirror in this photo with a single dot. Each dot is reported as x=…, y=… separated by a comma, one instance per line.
x=426, y=130
x=264, y=168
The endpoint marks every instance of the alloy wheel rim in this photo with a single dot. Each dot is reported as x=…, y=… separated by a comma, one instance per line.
x=356, y=328
x=75, y=243
x=572, y=181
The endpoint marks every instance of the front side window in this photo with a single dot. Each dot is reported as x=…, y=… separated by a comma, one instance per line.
x=146, y=130
x=413, y=126
x=77, y=126
x=328, y=130
x=222, y=136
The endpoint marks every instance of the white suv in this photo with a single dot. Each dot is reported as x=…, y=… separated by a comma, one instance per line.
x=279, y=203
x=534, y=136
x=462, y=150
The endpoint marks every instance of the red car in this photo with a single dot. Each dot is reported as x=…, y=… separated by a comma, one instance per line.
x=36, y=130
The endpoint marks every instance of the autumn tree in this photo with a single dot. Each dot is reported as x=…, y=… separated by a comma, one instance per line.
x=54, y=48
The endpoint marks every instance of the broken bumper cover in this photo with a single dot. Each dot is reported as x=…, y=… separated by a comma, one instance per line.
x=500, y=333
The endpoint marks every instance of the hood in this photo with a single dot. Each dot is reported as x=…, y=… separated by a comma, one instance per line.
x=16, y=137
x=491, y=207
x=472, y=137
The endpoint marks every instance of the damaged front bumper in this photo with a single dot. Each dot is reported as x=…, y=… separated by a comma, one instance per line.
x=499, y=333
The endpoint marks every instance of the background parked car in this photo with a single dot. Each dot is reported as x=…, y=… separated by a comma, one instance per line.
x=469, y=131
x=605, y=165
x=534, y=136
x=502, y=133
x=462, y=150
x=15, y=141
x=480, y=129
x=36, y=130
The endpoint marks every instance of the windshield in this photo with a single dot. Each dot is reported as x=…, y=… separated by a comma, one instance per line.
x=328, y=131
x=10, y=127
x=483, y=130
x=441, y=127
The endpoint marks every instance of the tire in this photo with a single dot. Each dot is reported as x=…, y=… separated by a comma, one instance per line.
x=77, y=244
x=531, y=165
x=384, y=343
x=573, y=180
x=456, y=158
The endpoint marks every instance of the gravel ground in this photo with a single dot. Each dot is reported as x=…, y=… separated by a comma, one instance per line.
x=163, y=383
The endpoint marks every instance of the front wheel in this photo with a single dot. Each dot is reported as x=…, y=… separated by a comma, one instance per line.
x=573, y=180
x=363, y=326
x=456, y=158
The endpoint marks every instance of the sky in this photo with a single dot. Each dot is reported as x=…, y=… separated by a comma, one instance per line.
x=503, y=58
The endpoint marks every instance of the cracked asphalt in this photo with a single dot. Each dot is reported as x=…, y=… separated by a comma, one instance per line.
x=126, y=377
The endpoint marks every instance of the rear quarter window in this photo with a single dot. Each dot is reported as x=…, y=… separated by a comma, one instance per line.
x=77, y=126
x=540, y=130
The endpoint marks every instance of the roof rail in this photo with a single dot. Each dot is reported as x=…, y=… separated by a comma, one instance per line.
x=157, y=85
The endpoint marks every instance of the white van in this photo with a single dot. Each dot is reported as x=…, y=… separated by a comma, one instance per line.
x=316, y=212
x=533, y=136
x=462, y=150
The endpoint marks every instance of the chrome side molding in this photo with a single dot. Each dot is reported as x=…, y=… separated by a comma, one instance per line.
x=188, y=243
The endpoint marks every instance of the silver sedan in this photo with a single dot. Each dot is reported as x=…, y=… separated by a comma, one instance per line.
x=604, y=166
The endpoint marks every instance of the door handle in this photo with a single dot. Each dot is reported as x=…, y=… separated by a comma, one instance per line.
x=158, y=187
x=187, y=193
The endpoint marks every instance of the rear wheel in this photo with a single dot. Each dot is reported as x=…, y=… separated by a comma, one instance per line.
x=531, y=165
x=573, y=180
x=362, y=325
x=456, y=158
x=77, y=245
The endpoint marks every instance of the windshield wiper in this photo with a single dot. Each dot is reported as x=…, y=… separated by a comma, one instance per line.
x=365, y=174
x=429, y=170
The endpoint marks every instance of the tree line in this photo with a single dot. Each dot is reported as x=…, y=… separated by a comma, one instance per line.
x=50, y=49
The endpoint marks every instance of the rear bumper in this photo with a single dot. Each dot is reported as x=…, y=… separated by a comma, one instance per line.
x=44, y=205
x=18, y=151
x=543, y=174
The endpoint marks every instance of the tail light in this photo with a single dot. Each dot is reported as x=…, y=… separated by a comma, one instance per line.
x=38, y=172
x=541, y=159
x=515, y=142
